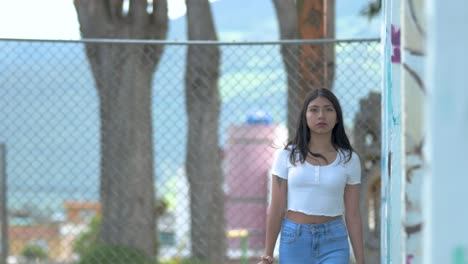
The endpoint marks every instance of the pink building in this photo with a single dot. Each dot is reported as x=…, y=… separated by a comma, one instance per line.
x=248, y=157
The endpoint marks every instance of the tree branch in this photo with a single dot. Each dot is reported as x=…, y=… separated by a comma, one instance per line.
x=115, y=8
x=160, y=18
x=91, y=13
x=138, y=14
x=204, y=29
x=287, y=18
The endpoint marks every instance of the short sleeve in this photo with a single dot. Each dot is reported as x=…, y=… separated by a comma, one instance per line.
x=280, y=164
x=353, y=168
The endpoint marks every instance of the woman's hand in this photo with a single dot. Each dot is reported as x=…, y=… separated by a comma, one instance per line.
x=266, y=260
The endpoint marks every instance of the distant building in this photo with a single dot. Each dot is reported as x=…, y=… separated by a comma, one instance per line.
x=56, y=239
x=81, y=211
x=249, y=155
x=45, y=236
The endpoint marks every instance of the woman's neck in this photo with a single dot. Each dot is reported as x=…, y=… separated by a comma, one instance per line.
x=321, y=144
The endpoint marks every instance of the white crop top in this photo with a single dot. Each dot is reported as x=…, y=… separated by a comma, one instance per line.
x=317, y=190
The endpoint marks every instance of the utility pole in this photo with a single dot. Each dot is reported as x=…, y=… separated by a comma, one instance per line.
x=3, y=206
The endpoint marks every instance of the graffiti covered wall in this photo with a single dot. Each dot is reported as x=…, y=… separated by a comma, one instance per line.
x=413, y=85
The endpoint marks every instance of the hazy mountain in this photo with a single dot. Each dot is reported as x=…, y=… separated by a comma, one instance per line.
x=247, y=20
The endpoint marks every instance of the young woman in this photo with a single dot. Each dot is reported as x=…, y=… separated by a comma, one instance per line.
x=316, y=181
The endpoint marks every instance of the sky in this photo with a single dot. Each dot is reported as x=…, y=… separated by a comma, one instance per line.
x=56, y=19
x=50, y=18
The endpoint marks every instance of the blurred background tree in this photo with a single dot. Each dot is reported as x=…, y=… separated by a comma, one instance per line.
x=123, y=75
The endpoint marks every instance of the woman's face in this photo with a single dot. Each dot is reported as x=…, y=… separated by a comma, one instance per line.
x=321, y=116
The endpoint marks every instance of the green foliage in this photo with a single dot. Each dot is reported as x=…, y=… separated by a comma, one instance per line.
x=372, y=9
x=170, y=261
x=193, y=260
x=91, y=250
x=108, y=254
x=88, y=240
x=160, y=207
x=190, y=260
x=34, y=252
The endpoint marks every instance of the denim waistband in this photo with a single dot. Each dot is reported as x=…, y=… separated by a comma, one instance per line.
x=322, y=227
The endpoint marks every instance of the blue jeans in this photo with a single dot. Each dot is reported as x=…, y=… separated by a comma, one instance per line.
x=325, y=243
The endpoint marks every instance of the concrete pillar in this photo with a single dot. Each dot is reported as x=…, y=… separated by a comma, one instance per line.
x=445, y=209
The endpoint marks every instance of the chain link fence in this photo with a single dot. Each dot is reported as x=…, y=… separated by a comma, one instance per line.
x=85, y=131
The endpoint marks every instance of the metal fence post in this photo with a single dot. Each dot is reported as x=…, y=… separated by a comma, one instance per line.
x=3, y=206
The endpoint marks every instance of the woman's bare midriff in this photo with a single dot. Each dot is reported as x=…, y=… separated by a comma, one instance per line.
x=302, y=218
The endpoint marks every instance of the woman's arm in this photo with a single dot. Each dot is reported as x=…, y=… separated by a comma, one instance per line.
x=275, y=213
x=353, y=220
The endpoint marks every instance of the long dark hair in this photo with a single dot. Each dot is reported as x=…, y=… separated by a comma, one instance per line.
x=299, y=146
